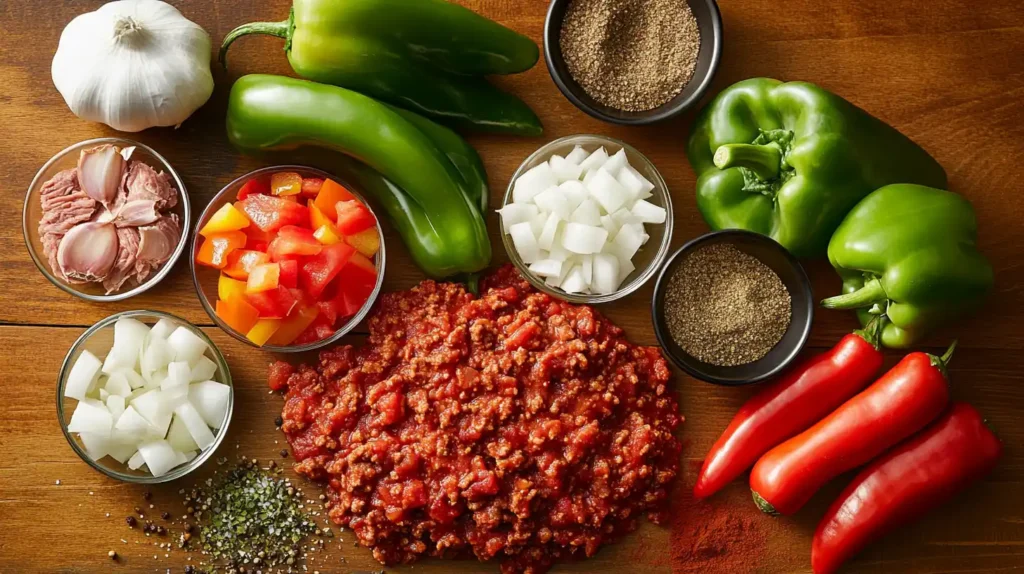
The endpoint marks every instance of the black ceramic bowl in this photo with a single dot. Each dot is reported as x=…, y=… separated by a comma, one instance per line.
x=709, y=22
x=793, y=277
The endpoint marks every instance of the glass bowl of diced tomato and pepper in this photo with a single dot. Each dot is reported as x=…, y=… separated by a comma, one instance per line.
x=288, y=258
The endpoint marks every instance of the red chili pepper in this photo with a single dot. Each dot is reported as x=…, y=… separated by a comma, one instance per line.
x=906, y=483
x=802, y=397
x=897, y=405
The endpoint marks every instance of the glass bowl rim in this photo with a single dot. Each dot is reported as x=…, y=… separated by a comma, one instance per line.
x=180, y=470
x=161, y=273
x=640, y=280
x=315, y=345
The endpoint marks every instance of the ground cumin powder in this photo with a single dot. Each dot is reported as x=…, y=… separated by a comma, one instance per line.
x=632, y=55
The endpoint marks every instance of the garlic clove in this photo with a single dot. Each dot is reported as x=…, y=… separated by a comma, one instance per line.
x=157, y=242
x=88, y=251
x=136, y=213
x=99, y=172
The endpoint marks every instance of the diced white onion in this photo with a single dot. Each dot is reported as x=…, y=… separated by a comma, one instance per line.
x=117, y=384
x=91, y=417
x=547, y=234
x=553, y=200
x=616, y=162
x=202, y=370
x=564, y=169
x=647, y=212
x=625, y=268
x=574, y=193
x=606, y=274
x=609, y=225
x=131, y=422
x=588, y=213
x=121, y=451
x=534, y=181
x=96, y=445
x=584, y=239
x=194, y=423
x=627, y=242
x=524, y=241
x=187, y=345
x=577, y=155
x=646, y=187
x=595, y=160
x=115, y=404
x=179, y=437
x=163, y=329
x=155, y=356
x=574, y=282
x=211, y=399
x=156, y=407
x=104, y=394
x=631, y=183
x=607, y=191
x=514, y=213
x=136, y=461
x=134, y=379
x=546, y=268
x=159, y=457
x=558, y=251
x=82, y=376
x=178, y=376
x=587, y=266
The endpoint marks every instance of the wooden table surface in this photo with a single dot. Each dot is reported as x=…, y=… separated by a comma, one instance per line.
x=948, y=73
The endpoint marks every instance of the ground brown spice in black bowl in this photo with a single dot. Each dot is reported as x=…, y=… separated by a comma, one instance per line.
x=631, y=55
x=726, y=308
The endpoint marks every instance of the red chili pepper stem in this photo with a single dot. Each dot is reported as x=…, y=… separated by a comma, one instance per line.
x=942, y=362
x=763, y=505
x=872, y=332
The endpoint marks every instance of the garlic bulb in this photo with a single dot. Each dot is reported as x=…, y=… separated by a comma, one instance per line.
x=133, y=64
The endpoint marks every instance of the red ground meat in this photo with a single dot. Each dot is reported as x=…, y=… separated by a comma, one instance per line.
x=512, y=425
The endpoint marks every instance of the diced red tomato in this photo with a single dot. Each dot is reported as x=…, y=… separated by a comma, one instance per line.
x=227, y=218
x=320, y=329
x=366, y=241
x=255, y=186
x=328, y=309
x=286, y=183
x=321, y=269
x=311, y=186
x=263, y=278
x=296, y=323
x=272, y=213
x=237, y=313
x=331, y=192
x=353, y=217
x=293, y=241
x=348, y=304
x=355, y=284
x=216, y=249
x=242, y=261
x=263, y=330
x=276, y=303
x=289, y=273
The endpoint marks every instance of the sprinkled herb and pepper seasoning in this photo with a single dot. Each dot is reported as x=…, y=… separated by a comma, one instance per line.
x=726, y=308
x=631, y=55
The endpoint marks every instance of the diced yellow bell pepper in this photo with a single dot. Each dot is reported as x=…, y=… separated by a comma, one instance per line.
x=327, y=234
x=366, y=241
x=263, y=330
x=286, y=183
x=227, y=218
x=228, y=287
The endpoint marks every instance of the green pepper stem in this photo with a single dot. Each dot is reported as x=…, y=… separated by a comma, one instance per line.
x=872, y=332
x=762, y=504
x=279, y=29
x=871, y=293
x=764, y=160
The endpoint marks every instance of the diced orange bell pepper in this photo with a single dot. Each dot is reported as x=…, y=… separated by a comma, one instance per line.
x=242, y=261
x=293, y=241
x=217, y=248
x=285, y=183
x=366, y=241
x=311, y=186
x=237, y=313
x=331, y=192
x=328, y=235
x=227, y=218
x=228, y=288
x=293, y=325
x=263, y=330
x=263, y=278
x=317, y=218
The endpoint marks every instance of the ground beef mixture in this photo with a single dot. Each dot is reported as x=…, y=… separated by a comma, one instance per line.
x=512, y=425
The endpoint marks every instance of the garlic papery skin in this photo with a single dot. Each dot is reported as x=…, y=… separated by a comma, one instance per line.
x=133, y=64
x=88, y=252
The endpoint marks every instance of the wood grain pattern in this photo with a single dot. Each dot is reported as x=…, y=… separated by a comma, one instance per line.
x=948, y=73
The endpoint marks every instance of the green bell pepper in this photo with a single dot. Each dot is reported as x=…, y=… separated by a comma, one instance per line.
x=789, y=160
x=428, y=56
x=909, y=252
x=446, y=234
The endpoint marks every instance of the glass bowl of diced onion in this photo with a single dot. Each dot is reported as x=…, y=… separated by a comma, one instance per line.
x=592, y=226
x=144, y=397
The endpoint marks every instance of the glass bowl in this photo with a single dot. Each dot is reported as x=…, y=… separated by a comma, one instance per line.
x=205, y=278
x=97, y=340
x=650, y=256
x=68, y=159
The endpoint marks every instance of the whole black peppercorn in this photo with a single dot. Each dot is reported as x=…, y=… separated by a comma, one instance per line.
x=161, y=530
x=284, y=453
x=278, y=421
x=190, y=569
x=147, y=495
x=166, y=516
x=131, y=521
